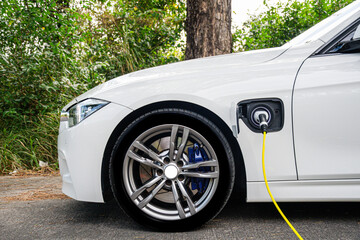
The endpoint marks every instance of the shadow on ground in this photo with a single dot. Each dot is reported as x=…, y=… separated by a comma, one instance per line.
x=93, y=212
x=68, y=219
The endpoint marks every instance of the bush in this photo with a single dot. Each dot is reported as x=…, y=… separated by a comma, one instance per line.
x=282, y=22
x=25, y=147
x=53, y=50
x=50, y=52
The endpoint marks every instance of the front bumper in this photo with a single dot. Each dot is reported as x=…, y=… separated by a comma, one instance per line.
x=81, y=149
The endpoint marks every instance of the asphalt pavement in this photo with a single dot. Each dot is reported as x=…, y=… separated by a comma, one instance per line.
x=34, y=208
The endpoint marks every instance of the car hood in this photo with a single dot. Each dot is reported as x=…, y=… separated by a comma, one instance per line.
x=203, y=71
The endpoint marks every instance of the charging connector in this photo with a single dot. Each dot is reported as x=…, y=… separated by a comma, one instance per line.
x=263, y=122
x=261, y=117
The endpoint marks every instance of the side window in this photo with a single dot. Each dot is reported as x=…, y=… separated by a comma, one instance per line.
x=349, y=43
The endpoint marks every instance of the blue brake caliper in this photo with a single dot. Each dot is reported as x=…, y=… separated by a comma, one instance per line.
x=197, y=154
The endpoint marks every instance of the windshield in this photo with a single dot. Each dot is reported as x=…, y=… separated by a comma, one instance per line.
x=326, y=25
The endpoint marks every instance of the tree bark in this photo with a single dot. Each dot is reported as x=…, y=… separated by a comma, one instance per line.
x=208, y=28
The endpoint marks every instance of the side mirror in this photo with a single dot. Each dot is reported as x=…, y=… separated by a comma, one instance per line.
x=352, y=46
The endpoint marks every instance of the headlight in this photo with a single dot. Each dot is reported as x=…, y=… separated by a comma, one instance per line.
x=82, y=110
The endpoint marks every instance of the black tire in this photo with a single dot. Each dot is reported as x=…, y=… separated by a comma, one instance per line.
x=161, y=213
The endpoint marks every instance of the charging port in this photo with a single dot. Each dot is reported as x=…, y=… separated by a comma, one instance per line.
x=272, y=109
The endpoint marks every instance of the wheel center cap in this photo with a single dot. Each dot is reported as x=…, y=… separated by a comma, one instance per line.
x=171, y=172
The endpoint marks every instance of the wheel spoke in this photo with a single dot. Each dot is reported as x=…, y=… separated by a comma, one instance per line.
x=201, y=175
x=145, y=186
x=183, y=143
x=187, y=197
x=144, y=202
x=142, y=160
x=210, y=163
x=172, y=141
x=148, y=151
x=177, y=200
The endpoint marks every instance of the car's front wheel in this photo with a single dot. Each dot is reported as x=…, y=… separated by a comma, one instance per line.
x=172, y=170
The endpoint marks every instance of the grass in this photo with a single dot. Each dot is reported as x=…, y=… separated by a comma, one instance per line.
x=32, y=141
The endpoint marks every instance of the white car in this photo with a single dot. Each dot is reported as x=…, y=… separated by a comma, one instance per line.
x=171, y=143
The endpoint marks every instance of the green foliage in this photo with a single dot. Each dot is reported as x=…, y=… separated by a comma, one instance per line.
x=282, y=22
x=140, y=36
x=24, y=147
x=52, y=50
x=30, y=57
x=50, y=53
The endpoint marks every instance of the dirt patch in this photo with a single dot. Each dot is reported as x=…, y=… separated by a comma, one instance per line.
x=35, y=195
x=44, y=171
x=38, y=194
x=30, y=188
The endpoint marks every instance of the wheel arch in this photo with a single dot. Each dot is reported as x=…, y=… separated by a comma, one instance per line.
x=239, y=191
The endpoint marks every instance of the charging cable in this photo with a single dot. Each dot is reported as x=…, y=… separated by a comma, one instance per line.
x=263, y=126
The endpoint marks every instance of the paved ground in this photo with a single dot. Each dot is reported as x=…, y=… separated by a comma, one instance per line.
x=34, y=208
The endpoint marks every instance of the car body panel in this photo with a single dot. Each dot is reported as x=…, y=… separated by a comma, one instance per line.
x=183, y=78
x=347, y=190
x=81, y=149
x=326, y=132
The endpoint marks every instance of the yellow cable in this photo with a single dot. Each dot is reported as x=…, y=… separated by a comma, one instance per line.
x=268, y=189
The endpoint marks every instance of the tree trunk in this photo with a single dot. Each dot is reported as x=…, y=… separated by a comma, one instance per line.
x=208, y=28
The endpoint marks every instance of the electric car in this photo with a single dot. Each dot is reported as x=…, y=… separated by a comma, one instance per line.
x=172, y=143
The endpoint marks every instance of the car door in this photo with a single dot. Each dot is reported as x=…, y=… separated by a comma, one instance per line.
x=326, y=110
